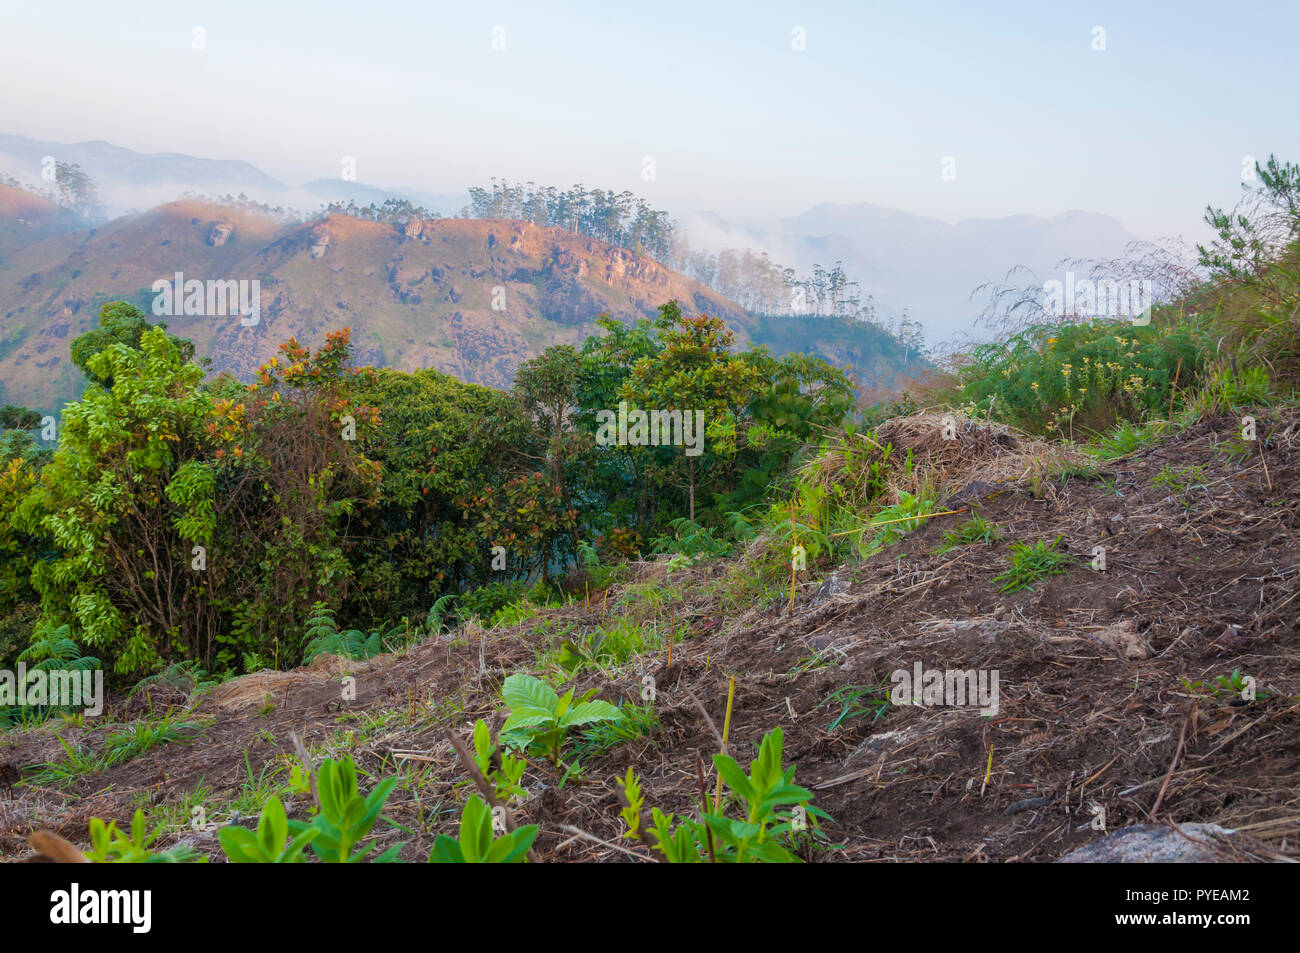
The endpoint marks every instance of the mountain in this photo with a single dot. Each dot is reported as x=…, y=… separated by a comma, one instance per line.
x=26, y=218
x=130, y=180
x=326, y=191
x=419, y=295
x=929, y=266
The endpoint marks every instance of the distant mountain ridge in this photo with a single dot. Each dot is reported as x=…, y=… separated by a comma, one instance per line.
x=923, y=264
x=130, y=180
x=474, y=298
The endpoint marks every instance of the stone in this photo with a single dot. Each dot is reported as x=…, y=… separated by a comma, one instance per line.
x=1154, y=844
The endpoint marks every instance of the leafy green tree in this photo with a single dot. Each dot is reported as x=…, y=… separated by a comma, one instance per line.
x=615, y=485
x=13, y=417
x=798, y=399
x=440, y=444
x=696, y=370
x=548, y=387
x=127, y=495
x=120, y=322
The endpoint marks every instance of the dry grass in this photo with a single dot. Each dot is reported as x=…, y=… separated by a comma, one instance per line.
x=929, y=459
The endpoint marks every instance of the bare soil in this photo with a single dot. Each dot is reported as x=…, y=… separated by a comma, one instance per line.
x=1094, y=667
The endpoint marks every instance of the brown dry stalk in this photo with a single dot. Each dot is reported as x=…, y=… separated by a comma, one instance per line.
x=1173, y=390
x=485, y=787
x=54, y=847
x=1182, y=737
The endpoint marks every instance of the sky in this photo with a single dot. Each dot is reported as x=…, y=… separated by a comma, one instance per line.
x=753, y=110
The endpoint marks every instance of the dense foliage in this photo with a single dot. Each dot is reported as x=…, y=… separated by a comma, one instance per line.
x=180, y=518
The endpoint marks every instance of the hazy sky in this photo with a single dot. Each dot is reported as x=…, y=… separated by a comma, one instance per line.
x=737, y=120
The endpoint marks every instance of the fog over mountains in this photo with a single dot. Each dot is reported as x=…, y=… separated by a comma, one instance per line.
x=131, y=181
x=925, y=265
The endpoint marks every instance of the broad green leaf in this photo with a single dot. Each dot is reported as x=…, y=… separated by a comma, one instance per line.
x=523, y=692
x=585, y=713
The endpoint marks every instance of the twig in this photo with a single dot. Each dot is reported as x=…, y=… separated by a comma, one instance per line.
x=1260, y=444
x=722, y=745
x=1182, y=736
x=578, y=832
x=704, y=805
x=726, y=731
x=485, y=787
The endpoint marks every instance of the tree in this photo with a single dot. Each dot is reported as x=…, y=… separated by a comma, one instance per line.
x=1266, y=219
x=548, y=386
x=440, y=444
x=120, y=322
x=13, y=417
x=126, y=497
x=77, y=190
x=695, y=371
x=294, y=472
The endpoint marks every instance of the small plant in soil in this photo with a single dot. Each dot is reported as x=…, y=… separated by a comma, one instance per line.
x=1031, y=564
x=540, y=717
x=268, y=845
x=1180, y=479
x=344, y=818
x=477, y=845
x=757, y=838
x=974, y=530
x=1232, y=686
x=857, y=701
x=503, y=771
x=110, y=845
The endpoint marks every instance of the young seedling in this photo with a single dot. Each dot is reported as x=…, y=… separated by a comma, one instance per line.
x=267, y=846
x=1030, y=564
x=538, y=715
x=344, y=817
x=477, y=845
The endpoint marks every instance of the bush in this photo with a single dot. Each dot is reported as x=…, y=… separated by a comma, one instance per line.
x=485, y=601
x=1074, y=378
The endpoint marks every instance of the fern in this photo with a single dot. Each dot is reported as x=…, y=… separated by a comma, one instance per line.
x=324, y=638
x=436, y=619
x=56, y=650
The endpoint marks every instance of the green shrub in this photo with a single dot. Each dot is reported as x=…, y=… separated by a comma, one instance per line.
x=1078, y=378
x=482, y=603
x=325, y=638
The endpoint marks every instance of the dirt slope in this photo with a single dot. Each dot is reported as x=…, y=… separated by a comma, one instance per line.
x=1202, y=577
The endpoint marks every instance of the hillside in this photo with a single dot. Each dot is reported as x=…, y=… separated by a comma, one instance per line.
x=418, y=296
x=1109, y=691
